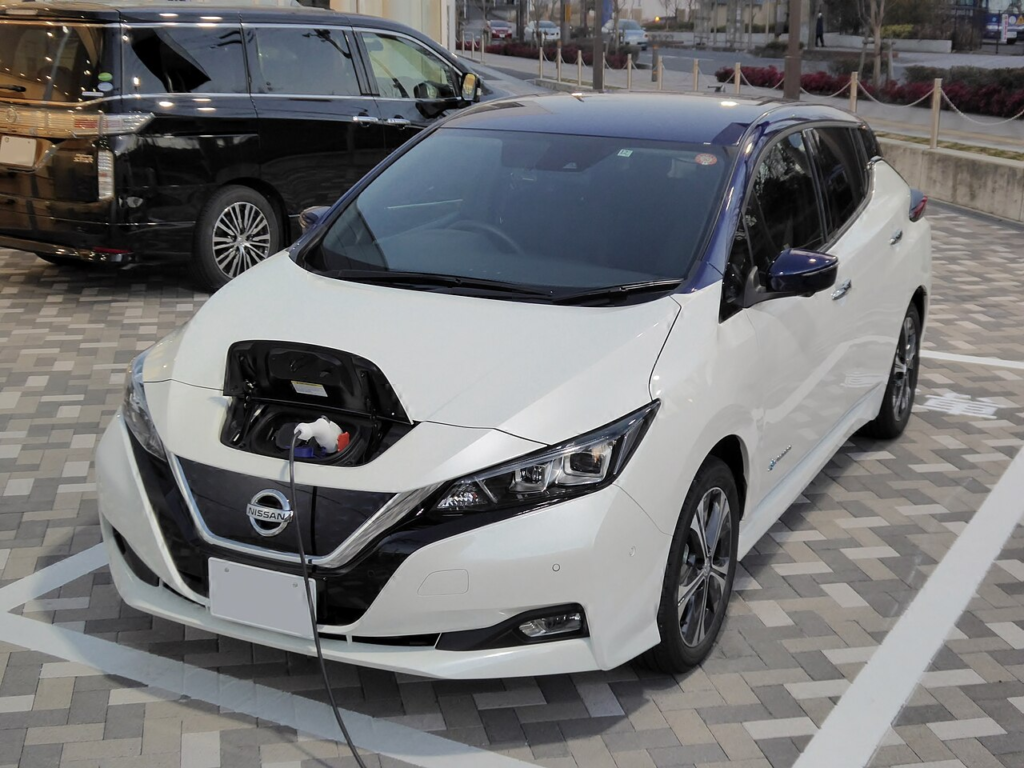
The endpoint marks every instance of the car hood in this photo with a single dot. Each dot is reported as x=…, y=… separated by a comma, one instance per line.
x=541, y=372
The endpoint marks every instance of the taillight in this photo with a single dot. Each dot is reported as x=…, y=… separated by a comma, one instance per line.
x=918, y=202
x=59, y=124
x=105, y=174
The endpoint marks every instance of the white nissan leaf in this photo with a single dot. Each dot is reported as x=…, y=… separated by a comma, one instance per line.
x=543, y=378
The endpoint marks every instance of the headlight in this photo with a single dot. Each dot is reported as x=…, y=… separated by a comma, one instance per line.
x=136, y=410
x=583, y=465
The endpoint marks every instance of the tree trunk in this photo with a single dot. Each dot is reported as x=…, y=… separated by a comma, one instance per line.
x=812, y=20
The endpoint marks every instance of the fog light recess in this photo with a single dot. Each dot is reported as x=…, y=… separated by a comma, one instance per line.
x=553, y=625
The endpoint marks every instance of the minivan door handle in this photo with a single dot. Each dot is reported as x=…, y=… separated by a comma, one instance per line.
x=365, y=119
x=399, y=122
x=842, y=290
x=896, y=237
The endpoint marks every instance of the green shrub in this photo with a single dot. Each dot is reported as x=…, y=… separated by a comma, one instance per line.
x=898, y=31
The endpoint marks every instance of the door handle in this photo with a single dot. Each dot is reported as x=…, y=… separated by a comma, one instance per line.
x=365, y=119
x=399, y=122
x=896, y=237
x=842, y=290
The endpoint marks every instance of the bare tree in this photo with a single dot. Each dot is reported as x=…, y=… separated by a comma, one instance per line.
x=671, y=9
x=873, y=14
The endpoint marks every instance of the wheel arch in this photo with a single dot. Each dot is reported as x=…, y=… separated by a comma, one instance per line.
x=733, y=453
x=920, y=300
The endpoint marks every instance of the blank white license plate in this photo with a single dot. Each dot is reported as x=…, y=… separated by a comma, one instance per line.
x=19, y=151
x=260, y=598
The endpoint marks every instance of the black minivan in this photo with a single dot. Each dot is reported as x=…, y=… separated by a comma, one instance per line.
x=151, y=132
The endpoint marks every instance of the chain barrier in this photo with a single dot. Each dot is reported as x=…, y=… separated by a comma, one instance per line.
x=863, y=89
x=980, y=122
x=828, y=96
x=772, y=87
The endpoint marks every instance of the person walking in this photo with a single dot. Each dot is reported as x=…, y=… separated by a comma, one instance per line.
x=819, y=39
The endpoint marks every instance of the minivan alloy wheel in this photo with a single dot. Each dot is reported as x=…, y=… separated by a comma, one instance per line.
x=704, y=574
x=241, y=238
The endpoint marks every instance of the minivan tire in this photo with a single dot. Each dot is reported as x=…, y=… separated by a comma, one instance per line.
x=62, y=261
x=683, y=644
x=898, y=400
x=239, y=212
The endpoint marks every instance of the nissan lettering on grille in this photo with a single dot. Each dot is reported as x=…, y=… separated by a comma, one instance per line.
x=269, y=512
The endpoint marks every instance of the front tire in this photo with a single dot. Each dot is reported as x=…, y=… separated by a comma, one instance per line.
x=236, y=230
x=700, y=571
x=898, y=401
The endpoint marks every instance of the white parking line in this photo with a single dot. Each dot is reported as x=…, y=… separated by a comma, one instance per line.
x=948, y=357
x=854, y=729
x=244, y=696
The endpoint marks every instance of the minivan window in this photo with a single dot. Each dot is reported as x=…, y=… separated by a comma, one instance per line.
x=49, y=63
x=533, y=209
x=305, y=61
x=843, y=175
x=404, y=70
x=184, y=59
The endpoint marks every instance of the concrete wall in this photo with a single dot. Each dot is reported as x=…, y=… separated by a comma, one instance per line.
x=435, y=18
x=968, y=179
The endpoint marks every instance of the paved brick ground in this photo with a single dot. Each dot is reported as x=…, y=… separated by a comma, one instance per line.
x=815, y=597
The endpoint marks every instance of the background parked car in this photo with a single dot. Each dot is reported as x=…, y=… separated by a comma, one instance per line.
x=629, y=33
x=543, y=31
x=142, y=134
x=501, y=30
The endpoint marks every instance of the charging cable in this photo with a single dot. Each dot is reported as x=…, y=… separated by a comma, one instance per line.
x=309, y=600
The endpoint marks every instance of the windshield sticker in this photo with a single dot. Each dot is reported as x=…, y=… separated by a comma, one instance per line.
x=705, y=159
x=105, y=77
x=105, y=87
x=625, y=152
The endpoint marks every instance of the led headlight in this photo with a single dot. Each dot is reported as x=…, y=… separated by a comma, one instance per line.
x=136, y=410
x=582, y=465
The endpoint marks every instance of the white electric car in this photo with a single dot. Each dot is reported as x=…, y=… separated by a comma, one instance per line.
x=581, y=351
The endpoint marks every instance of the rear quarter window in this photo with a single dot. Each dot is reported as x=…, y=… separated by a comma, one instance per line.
x=184, y=59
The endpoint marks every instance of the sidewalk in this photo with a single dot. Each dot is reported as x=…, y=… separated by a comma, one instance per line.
x=892, y=118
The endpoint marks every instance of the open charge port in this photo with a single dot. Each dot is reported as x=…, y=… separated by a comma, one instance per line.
x=274, y=385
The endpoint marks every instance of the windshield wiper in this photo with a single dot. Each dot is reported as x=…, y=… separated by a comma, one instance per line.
x=613, y=292
x=17, y=88
x=386, y=277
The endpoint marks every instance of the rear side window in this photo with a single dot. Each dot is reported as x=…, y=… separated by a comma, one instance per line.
x=56, y=62
x=314, y=62
x=184, y=60
x=842, y=174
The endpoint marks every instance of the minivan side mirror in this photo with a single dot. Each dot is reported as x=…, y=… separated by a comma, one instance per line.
x=794, y=273
x=470, y=87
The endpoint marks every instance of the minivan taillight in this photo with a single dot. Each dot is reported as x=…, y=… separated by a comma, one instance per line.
x=62, y=124
x=105, y=174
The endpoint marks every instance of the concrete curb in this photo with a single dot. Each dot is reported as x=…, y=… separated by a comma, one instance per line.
x=990, y=185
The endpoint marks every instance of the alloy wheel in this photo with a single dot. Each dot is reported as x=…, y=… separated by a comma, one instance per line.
x=903, y=368
x=701, y=595
x=241, y=238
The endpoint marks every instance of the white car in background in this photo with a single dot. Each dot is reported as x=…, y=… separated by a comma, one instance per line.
x=545, y=31
x=630, y=33
x=576, y=354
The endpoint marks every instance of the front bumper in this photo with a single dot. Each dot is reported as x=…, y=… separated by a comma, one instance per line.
x=600, y=551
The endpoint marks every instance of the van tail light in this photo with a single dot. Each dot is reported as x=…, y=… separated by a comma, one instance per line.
x=61, y=124
x=105, y=174
x=918, y=202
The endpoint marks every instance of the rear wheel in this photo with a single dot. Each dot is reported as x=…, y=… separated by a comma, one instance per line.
x=237, y=229
x=700, y=571
x=898, y=400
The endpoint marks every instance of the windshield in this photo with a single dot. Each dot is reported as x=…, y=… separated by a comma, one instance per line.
x=531, y=209
x=52, y=62
x=548, y=25
x=628, y=24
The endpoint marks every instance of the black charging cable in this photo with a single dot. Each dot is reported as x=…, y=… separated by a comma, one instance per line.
x=312, y=611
